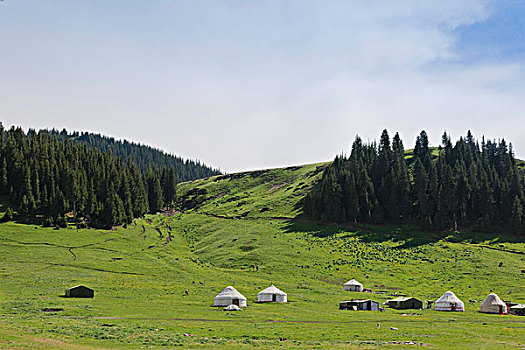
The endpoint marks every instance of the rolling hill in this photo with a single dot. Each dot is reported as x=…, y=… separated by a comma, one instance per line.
x=142, y=155
x=155, y=280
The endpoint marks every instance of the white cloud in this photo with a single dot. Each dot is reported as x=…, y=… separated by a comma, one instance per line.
x=261, y=84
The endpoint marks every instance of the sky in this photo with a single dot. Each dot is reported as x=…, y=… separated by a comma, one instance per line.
x=252, y=84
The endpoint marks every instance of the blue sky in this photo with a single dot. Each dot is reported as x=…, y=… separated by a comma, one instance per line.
x=255, y=84
x=501, y=37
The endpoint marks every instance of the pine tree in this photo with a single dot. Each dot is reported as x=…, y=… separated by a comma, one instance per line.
x=109, y=215
x=139, y=194
x=170, y=188
x=154, y=191
x=3, y=177
x=516, y=224
x=422, y=150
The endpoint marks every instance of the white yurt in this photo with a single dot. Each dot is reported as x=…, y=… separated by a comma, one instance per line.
x=229, y=296
x=353, y=286
x=449, y=302
x=272, y=293
x=493, y=305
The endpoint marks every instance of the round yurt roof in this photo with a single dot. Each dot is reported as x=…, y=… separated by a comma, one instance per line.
x=272, y=290
x=352, y=282
x=492, y=299
x=230, y=293
x=449, y=297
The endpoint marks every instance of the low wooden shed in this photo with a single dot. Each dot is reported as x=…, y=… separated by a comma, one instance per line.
x=518, y=309
x=359, y=304
x=80, y=292
x=405, y=303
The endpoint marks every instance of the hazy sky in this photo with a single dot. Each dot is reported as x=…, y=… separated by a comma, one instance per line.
x=247, y=84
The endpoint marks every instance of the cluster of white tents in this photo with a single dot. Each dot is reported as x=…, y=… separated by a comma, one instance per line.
x=491, y=305
x=232, y=299
x=449, y=301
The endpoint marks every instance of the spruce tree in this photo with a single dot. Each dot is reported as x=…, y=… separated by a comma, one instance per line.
x=154, y=191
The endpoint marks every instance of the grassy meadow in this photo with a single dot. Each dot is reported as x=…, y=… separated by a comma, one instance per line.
x=246, y=230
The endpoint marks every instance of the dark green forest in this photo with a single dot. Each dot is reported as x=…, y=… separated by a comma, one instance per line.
x=142, y=155
x=45, y=175
x=468, y=184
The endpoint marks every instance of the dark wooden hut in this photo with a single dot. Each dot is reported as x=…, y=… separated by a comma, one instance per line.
x=80, y=292
x=405, y=303
x=518, y=309
x=359, y=304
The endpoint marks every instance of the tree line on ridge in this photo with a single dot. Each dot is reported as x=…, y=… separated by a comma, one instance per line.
x=46, y=176
x=142, y=155
x=469, y=184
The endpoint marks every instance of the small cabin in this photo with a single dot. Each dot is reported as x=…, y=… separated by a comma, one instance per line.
x=80, y=292
x=518, y=309
x=405, y=303
x=359, y=304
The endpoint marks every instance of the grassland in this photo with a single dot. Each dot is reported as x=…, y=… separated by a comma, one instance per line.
x=246, y=230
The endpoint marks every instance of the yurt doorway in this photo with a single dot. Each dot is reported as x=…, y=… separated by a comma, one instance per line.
x=274, y=297
x=453, y=307
x=501, y=309
x=235, y=302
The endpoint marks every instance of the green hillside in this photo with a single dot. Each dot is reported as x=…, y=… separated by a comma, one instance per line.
x=246, y=230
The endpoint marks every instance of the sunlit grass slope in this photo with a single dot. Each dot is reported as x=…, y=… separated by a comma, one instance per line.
x=246, y=230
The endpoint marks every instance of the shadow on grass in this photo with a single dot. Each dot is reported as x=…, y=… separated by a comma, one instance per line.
x=408, y=235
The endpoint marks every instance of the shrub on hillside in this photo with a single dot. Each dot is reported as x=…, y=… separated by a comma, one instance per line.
x=61, y=222
x=82, y=225
x=48, y=222
x=9, y=215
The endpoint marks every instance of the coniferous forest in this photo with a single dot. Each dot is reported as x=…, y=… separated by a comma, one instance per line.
x=47, y=175
x=142, y=155
x=467, y=184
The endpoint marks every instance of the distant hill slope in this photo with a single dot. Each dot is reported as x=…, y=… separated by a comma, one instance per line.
x=142, y=155
x=253, y=194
